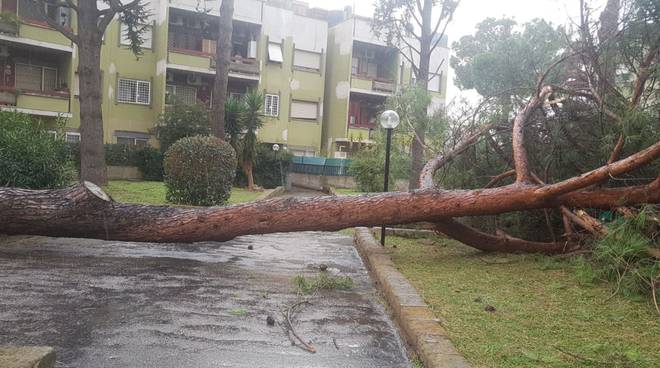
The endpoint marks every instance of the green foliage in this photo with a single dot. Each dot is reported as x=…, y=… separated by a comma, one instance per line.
x=267, y=166
x=150, y=162
x=504, y=60
x=9, y=18
x=368, y=165
x=253, y=120
x=199, y=171
x=623, y=255
x=136, y=19
x=234, y=121
x=309, y=285
x=181, y=121
x=30, y=157
x=148, y=159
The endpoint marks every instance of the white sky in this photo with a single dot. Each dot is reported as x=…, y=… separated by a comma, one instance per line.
x=471, y=12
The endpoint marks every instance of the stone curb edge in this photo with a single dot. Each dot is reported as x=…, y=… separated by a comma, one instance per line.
x=421, y=330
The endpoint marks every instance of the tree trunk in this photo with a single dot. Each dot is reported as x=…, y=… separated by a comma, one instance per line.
x=223, y=60
x=92, y=153
x=247, y=169
x=417, y=145
x=85, y=211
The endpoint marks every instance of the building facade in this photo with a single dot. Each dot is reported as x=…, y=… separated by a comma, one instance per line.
x=322, y=79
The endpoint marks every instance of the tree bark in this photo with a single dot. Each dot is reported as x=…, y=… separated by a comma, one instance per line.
x=86, y=212
x=223, y=61
x=417, y=145
x=92, y=153
x=247, y=169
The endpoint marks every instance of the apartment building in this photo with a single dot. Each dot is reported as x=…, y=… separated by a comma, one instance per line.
x=322, y=79
x=363, y=71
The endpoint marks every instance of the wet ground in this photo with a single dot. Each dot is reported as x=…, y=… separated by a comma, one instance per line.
x=118, y=304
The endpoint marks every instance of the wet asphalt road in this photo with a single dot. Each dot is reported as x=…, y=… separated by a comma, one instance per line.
x=118, y=304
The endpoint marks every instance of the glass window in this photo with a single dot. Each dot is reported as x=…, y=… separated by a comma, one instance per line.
x=272, y=105
x=72, y=137
x=134, y=91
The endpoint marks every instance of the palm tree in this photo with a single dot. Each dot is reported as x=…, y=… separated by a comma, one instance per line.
x=234, y=120
x=252, y=121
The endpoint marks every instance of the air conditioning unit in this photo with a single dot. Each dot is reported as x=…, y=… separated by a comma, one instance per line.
x=170, y=77
x=4, y=51
x=194, y=79
x=252, y=50
x=340, y=154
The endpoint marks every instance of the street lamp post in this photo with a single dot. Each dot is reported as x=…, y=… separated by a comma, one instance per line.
x=276, y=148
x=389, y=120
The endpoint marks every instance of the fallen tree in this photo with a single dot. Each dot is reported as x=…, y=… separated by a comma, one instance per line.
x=86, y=211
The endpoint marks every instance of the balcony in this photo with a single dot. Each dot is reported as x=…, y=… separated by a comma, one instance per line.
x=372, y=69
x=23, y=22
x=36, y=102
x=192, y=43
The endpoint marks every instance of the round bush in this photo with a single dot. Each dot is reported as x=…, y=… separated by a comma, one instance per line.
x=199, y=171
x=30, y=157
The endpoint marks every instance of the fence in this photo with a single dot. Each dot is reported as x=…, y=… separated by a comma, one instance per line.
x=320, y=166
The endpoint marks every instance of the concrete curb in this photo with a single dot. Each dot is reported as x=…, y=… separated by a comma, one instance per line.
x=271, y=193
x=421, y=330
x=27, y=357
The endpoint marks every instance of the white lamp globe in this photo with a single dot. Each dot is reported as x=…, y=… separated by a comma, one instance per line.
x=276, y=147
x=389, y=119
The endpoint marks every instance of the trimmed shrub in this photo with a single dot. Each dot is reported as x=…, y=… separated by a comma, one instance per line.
x=199, y=171
x=30, y=157
x=181, y=121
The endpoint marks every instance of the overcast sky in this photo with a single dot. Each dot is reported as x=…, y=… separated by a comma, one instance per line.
x=471, y=12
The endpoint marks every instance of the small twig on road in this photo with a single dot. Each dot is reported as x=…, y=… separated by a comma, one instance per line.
x=287, y=316
x=334, y=341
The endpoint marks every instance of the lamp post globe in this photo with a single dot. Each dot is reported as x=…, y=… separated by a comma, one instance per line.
x=389, y=119
x=276, y=147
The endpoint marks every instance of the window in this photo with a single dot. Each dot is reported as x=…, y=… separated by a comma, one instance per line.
x=304, y=110
x=434, y=82
x=147, y=36
x=272, y=105
x=307, y=60
x=29, y=9
x=134, y=91
x=275, y=52
x=184, y=94
x=72, y=137
x=132, y=139
x=36, y=77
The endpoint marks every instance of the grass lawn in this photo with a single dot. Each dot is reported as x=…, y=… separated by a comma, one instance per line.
x=153, y=192
x=543, y=316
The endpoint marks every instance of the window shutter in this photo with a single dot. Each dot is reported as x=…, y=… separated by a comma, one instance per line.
x=306, y=59
x=275, y=52
x=304, y=110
